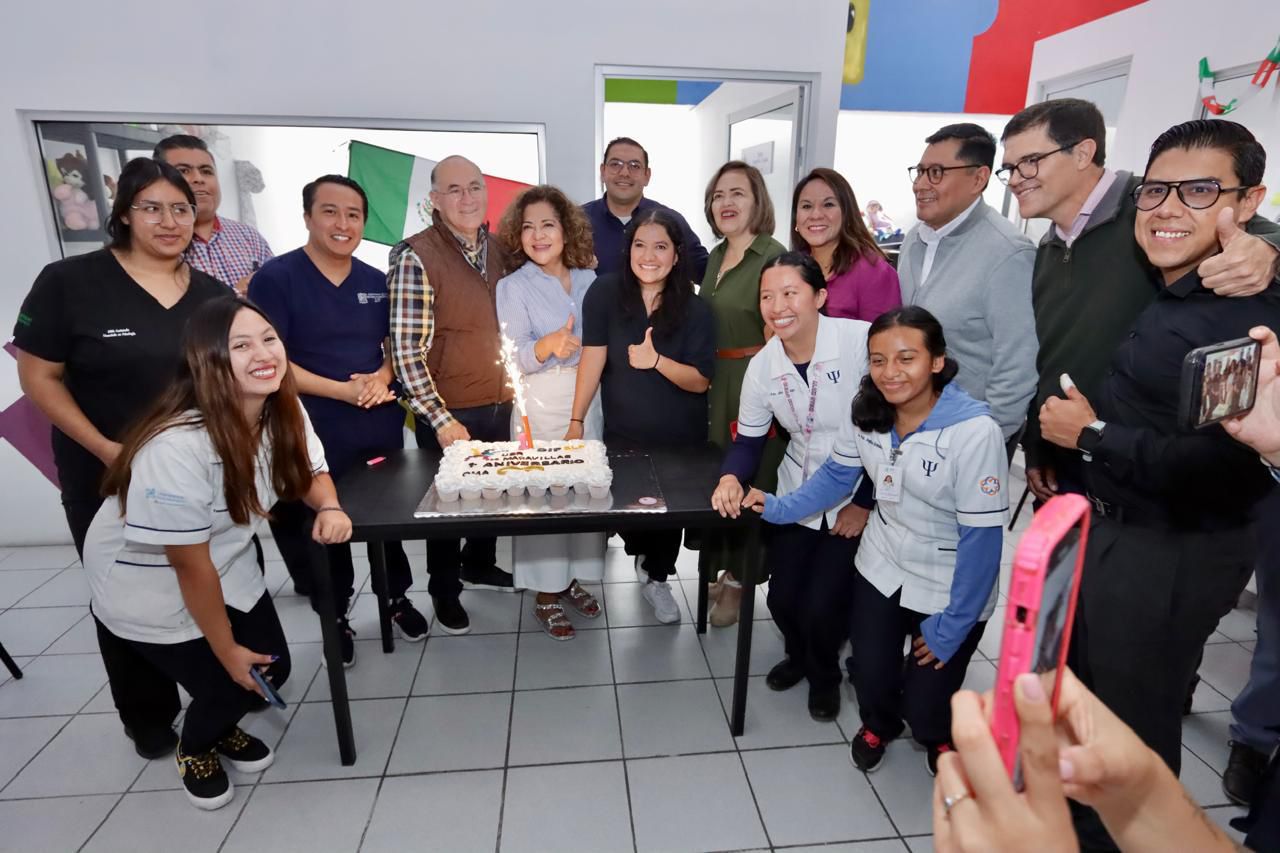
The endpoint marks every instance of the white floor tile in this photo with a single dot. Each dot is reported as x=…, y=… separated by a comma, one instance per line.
x=309, y=749
x=544, y=662
x=426, y=810
x=467, y=664
x=69, y=588
x=721, y=647
x=452, y=733
x=492, y=612
x=132, y=825
x=299, y=621
x=318, y=817
x=782, y=718
x=90, y=755
x=16, y=585
x=53, y=684
x=906, y=788
x=56, y=824
x=375, y=675
x=1226, y=667
x=980, y=675
x=22, y=739
x=1239, y=625
x=672, y=718
x=305, y=659
x=570, y=724
x=693, y=803
x=920, y=843
x=811, y=795
x=1208, y=699
x=1202, y=782
x=884, y=845
x=44, y=557
x=567, y=807
x=29, y=631
x=1206, y=735
x=660, y=653
x=82, y=639
x=618, y=566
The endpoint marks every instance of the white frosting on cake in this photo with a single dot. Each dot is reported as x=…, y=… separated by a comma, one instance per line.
x=470, y=465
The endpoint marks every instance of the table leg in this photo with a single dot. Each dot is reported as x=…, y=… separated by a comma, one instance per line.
x=322, y=602
x=378, y=580
x=742, y=663
x=704, y=568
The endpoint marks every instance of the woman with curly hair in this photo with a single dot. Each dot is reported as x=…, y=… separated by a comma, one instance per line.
x=540, y=308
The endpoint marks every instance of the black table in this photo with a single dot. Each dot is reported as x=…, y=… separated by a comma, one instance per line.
x=381, y=501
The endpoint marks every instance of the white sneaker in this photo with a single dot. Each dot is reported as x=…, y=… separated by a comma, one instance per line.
x=664, y=604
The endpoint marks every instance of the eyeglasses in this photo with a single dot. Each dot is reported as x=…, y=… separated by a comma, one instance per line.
x=153, y=214
x=456, y=193
x=1197, y=193
x=935, y=173
x=615, y=165
x=1028, y=167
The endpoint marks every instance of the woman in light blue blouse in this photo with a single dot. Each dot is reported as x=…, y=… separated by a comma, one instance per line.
x=540, y=308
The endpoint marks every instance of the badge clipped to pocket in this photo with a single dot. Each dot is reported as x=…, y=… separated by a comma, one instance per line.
x=889, y=484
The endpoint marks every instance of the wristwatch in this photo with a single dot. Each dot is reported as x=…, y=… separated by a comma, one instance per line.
x=1089, y=439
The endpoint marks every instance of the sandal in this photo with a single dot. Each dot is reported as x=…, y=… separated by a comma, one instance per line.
x=581, y=600
x=715, y=587
x=552, y=619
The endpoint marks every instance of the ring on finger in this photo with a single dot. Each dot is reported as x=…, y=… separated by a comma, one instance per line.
x=948, y=803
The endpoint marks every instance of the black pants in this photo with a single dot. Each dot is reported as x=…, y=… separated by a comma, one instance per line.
x=1149, y=598
x=810, y=596
x=146, y=698
x=658, y=550
x=891, y=688
x=291, y=526
x=217, y=702
x=445, y=557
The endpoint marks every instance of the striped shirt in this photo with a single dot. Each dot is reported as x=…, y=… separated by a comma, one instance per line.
x=233, y=251
x=532, y=304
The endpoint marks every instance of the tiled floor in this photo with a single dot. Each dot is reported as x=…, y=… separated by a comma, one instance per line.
x=501, y=740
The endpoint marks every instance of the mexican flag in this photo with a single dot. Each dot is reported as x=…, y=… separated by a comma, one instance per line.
x=398, y=186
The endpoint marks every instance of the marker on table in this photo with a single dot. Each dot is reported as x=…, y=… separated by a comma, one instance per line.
x=375, y=460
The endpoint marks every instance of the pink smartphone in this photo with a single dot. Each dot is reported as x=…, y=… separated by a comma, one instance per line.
x=1041, y=609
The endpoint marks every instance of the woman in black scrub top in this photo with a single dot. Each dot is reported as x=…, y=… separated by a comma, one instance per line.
x=99, y=337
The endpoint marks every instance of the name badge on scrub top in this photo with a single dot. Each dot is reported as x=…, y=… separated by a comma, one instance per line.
x=806, y=427
x=889, y=483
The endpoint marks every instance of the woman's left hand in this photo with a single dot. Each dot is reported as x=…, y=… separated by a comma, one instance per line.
x=332, y=527
x=850, y=521
x=375, y=390
x=923, y=654
x=642, y=355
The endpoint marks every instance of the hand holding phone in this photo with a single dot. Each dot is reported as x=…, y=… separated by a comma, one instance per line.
x=1219, y=381
x=268, y=692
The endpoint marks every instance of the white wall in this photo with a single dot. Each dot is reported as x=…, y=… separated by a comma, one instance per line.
x=480, y=61
x=669, y=133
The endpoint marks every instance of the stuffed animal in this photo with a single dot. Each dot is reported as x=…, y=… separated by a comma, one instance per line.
x=75, y=205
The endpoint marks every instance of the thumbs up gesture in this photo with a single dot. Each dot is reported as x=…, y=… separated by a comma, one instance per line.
x=1245, y=266
x=561, y=343
x=643, y=356
x=1061, y=421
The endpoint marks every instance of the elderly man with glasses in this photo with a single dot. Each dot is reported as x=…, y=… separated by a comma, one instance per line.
x=971, y=269
x=625, y=173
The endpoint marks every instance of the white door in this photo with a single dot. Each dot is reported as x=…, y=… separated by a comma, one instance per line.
x=770, y=136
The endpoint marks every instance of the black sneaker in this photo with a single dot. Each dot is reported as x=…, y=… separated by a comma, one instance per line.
x=204, y=779
x=153, y=743
x=824, y=703
x=451, y=616
x=409, y=624
x=931, y=754
x=347, y=635
x=784, y=675
x=1244, y=772
x=866, y=750
x=489, y=577
x=245, y=752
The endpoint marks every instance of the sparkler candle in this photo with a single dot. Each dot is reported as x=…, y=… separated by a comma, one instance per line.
x=514, y=382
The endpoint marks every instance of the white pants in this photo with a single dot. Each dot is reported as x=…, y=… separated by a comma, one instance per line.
x=549, y=563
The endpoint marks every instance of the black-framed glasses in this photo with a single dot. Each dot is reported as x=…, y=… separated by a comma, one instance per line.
x=153, y=213
x=1028, y=167
x=1195, y=193
x=613, y=164
x=935, y=173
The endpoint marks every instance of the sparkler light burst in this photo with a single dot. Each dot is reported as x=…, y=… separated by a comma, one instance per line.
x=512, y=368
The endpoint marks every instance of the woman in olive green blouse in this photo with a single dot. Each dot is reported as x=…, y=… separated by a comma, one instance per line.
x=739, y=211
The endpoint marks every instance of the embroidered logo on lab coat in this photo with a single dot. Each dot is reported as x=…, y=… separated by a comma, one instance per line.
x=990, y=486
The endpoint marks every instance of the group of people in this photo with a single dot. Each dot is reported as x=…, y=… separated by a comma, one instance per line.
x=1227, y=386
x=868, y=412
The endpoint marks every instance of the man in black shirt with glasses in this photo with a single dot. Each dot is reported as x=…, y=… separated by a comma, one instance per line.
x=1172, y=543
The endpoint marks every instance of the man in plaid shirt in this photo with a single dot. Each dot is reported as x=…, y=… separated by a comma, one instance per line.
x=229, y=251
x=445, y=344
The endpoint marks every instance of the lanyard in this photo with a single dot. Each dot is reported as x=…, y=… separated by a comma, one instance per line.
x=815, y=370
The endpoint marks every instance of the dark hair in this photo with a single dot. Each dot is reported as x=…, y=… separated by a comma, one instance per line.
x=138, y=174
x=1248, y=157
x=855, y=238
x=624, y=140
x=679, y=286
x=1066, y=121
x=977, y=145
x=579, y=252
x=309, y=191
x=206, y=393
x=762, y=219
x=801, y=261
x=871, y=411
x=179, y=141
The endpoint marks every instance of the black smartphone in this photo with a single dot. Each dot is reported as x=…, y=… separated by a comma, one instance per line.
x=1219, y=381
x=272, y=697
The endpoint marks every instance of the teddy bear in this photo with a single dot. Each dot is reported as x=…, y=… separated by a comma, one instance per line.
x=76, y=207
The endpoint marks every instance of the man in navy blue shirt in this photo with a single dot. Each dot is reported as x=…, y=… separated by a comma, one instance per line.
x=333, y=314
x=625, y=173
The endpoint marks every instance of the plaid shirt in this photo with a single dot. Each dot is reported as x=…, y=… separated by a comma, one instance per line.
x=413, y=326
x=233, y=251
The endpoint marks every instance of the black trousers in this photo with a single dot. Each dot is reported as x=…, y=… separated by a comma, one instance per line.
x=1149, y=599
x=810, y=596
x=217, y=702
x=658, y=550
x=445, y=557
x=890, y=687
x=291, y=527
x=145, y=697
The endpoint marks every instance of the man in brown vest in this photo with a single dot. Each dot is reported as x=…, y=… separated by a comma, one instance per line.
x=445, y=346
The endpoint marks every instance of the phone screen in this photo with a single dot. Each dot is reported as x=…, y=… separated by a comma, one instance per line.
x=1228, y=380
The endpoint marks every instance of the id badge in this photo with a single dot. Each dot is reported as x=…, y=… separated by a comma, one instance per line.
x=889, y=484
